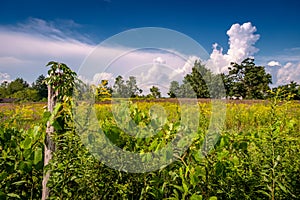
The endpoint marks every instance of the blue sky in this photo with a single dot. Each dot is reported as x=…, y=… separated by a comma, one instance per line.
x=81, y=25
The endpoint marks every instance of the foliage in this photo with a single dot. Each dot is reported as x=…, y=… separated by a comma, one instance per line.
x=291, y=91
x=18, y=89
x=174, y=89
x=41, y=87
x=155, y=93
x=200, y=83
x=21, y=163
x=102, y=91
x=27, y=95
x=17, y=85
x=126, y=90
x=247, y=80
x=21, y=116
x=198, y=80
x=22, y=92
x=256, y=156
x=61, y=78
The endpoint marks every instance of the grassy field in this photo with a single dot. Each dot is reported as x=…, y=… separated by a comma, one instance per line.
x=256, y=155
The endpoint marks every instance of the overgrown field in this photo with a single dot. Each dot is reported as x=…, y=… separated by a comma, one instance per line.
x=256, y=156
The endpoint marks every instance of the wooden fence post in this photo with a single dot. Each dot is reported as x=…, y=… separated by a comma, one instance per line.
x=49, y=144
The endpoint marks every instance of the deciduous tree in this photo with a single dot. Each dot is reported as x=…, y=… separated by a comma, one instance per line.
x=248, y=80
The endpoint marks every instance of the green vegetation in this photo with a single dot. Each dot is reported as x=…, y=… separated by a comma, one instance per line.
x=21, y=91
x=247, y=80
x=256, y=155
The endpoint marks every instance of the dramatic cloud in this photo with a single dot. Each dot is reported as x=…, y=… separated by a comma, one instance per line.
x=242, y=39
x=241, y=45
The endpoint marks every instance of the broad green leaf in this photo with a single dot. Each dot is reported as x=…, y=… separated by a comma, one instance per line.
x=38, y=156
x=13, y=195
x=196, y=197
x=26, y=144
x=27, y=153
x=36, y=133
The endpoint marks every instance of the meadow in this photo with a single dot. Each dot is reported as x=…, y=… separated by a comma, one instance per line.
x=256, y=154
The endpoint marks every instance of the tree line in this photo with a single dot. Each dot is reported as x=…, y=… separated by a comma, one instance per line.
x=244, y=80
x=20, y=90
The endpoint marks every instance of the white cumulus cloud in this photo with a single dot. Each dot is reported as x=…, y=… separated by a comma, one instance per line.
x=242, y=39
x=273, y=63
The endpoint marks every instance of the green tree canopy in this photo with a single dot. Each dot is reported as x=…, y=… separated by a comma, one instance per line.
x=16, y=85
x=247, y=80
x=155, y=92
x=174, y=89
x=41, y=87
x=132, y=89
x=126, y=90
x=200, y=83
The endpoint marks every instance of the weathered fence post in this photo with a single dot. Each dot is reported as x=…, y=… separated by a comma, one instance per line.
x=49, y=144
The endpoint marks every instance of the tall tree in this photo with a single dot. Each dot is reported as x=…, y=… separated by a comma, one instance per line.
x=205, y=84
x=28, y=94
x=174, y=89
x=132, y=89
x=119, y=87
x=41, y=86
x=197, y=79
x=248, y=81
x=155, y=92
x=186, y=90
x=227, y=84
